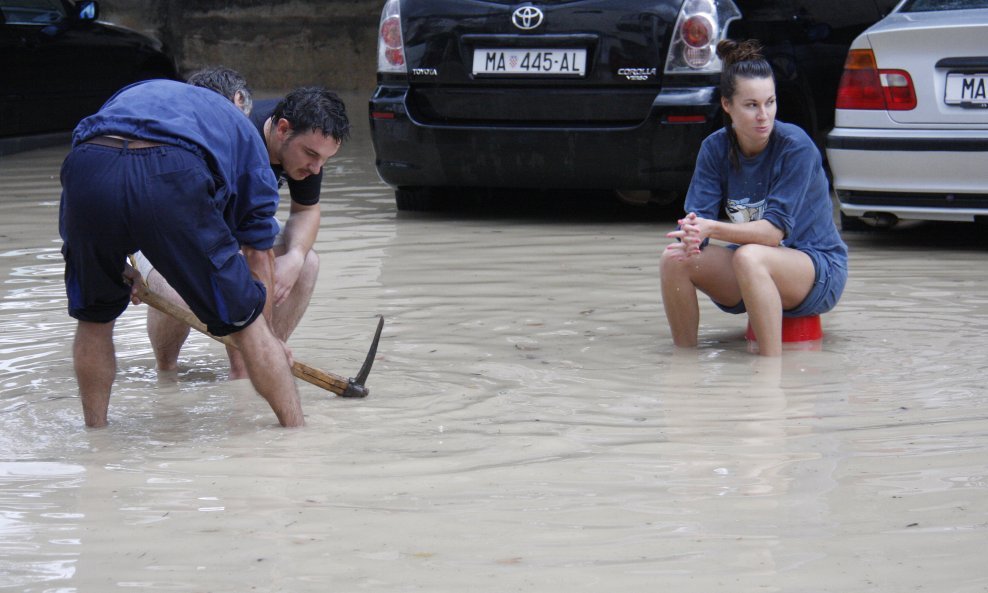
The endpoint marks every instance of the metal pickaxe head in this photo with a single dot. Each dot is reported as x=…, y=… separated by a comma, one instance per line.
x=355, y=385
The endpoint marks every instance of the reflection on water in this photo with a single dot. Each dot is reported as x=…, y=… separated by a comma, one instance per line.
x=530, y=426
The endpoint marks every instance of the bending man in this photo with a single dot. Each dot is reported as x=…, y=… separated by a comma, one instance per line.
x=178, y=172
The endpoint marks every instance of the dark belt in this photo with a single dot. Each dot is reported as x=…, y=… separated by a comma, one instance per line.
x=128, y=143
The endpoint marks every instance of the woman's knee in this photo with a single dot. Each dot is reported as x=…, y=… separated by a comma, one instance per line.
x=749, y=260
x=671, y=262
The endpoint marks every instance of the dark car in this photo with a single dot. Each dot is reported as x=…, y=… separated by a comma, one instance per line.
x=595, y=94
x=59, y=64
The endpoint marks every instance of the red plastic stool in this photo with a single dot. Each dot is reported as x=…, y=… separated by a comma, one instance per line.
x=795, y=329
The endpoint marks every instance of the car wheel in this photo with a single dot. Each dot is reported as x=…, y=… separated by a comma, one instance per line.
x=656, y=197
x=634, y=197
x=854, y=224
x=416, y=199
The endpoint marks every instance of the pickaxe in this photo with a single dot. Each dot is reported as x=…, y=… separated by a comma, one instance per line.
x=352, y=387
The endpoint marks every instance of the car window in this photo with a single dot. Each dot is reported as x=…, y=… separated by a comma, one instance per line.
x=836, y=14
x=934, y=5
x=32, y=12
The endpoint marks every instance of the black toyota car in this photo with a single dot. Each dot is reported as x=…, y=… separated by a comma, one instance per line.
x=589, y=94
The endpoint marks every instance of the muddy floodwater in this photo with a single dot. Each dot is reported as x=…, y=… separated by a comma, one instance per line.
x=530, y=426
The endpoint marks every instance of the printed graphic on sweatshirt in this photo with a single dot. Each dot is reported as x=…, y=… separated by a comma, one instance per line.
x=744, y=210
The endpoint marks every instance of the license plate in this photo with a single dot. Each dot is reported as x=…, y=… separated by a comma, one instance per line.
x=529, y=62
x=971, y=89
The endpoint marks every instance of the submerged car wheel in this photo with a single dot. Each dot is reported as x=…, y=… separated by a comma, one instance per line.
x=853, y=223
x=417, y=199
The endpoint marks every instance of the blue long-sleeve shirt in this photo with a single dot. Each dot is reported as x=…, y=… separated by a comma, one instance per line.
x=785, y=184
x=204, y=122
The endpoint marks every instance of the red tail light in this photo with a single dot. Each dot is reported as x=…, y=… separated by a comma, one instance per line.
x=900, y=95
x=699, y=26
x=391, y=38
x=697, y=31
x=390, y=46
x=864, y=86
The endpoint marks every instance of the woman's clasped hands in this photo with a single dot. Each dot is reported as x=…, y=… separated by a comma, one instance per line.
x=689, y=237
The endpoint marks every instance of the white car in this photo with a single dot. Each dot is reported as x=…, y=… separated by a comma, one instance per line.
x=910, y=140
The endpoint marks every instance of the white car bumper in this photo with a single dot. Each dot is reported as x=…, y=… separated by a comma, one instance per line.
x=911, y=174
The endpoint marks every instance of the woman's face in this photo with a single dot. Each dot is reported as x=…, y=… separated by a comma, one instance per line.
x=752, y=111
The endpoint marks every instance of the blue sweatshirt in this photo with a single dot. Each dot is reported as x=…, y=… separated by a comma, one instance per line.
x=208, y=124
x=785, y=184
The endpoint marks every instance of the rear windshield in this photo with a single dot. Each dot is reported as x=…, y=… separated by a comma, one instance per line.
x=933, y=5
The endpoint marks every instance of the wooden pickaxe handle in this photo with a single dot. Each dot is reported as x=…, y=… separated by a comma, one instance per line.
x=329, y=381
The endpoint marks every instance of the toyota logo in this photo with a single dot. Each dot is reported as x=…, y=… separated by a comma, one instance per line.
x=527, y=18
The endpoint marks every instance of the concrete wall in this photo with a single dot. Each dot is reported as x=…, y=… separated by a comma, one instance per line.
x=276, y=45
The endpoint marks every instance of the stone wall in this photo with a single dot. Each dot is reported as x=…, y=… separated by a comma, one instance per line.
x=276, y=45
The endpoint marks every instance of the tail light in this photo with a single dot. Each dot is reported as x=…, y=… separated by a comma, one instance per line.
x=864, y=86
x=697, y=31
x=700, y=26
x=390, y=46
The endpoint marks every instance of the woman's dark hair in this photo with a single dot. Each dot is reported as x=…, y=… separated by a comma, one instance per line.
x=742, y=59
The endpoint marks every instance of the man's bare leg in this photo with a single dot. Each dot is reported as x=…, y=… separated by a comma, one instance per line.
x=288, y=314
x=166, y=333
x=267, y=365
x=95, y=365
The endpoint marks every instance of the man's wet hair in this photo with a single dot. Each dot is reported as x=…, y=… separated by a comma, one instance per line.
x=225, y=81
x=314, y=108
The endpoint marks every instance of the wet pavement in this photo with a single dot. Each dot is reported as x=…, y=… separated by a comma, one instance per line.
x=530, y=425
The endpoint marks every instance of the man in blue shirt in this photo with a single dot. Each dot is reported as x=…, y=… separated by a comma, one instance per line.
x=301, y=132
x=179, y=173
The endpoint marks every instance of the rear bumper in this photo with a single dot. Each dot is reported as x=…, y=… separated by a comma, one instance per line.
x=911, y=174
x=655, y=154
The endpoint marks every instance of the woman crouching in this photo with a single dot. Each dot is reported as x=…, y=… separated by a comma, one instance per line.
x=783, y=252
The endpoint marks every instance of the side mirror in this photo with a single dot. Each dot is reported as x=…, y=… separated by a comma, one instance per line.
x=87, y=11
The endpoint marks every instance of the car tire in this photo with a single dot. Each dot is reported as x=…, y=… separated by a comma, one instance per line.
x=854, y=224
x=416, y=199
